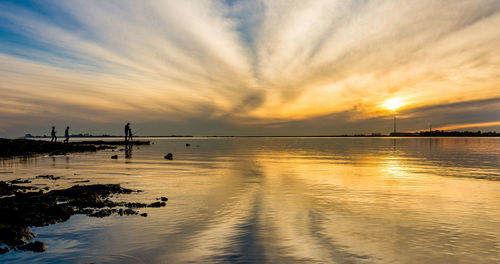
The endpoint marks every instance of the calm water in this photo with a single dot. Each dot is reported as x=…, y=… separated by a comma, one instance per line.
x=283, y=200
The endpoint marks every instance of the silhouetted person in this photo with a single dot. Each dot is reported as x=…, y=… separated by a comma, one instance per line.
x=66, y=135
x=130, y=134
x=53, y=134
x=127, y=129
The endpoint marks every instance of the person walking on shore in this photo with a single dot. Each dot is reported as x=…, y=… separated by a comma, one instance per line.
x=53, y=134
x=127, y=129
x=66, y=135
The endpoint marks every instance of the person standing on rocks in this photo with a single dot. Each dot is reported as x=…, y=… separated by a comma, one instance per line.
x=130, y=134
x=127, y=131
x=66, y=135
x=53, y=134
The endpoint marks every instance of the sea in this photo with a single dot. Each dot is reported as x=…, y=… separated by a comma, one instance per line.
x=280, y=200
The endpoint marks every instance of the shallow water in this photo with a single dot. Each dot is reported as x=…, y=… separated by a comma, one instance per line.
x=283, y=200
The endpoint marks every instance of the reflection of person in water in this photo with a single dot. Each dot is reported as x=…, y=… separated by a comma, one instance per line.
x=128, y=151
x=127, y=129
x=53, y=134
x=66, y=135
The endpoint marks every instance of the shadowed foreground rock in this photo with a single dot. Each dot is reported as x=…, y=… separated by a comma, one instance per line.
x=21, y=209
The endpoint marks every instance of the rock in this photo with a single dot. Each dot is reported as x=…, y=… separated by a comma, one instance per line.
x=102, y=213
x=143, y=215
x=135, y=205
x=130, y=212
x=123, y=212
x=36, y=246
x=46, y=188
x=114, y=157
x=164, y=199
x=4, y=250
x=187, y=144
x=9, y=189
x=20, y=211
x=50, y=177
x=13, y=235
x=169, y=156
x=157, y=204
x=18, y=181
x=81, y=181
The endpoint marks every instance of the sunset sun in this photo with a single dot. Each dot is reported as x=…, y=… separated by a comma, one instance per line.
x=393, y=104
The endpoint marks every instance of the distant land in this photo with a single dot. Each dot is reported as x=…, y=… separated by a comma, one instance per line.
x=433, y=133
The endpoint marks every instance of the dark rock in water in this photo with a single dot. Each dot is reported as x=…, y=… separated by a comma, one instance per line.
x=50, y=177
x=169, y=156
x=20, y=210
x=12, y=235
x=135, y=205
x=128, y=211
x=157, y=204
x=4, y=250
x=114, y=157
x=81, y=181
x=187, y=144
x=9, y=189
x=36, y=246
x=164, y=199
x=144, y=214
x=6, y=189
x=102, y=213
x=18, y=181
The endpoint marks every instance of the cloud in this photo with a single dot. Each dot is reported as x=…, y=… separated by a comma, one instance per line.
x=239, y=63
x=462, y=126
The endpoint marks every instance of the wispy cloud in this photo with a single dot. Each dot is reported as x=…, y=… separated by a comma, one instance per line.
x=243, y=62
x=460, y=126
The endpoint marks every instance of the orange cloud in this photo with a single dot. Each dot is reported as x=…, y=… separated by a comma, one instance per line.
x=459, y=126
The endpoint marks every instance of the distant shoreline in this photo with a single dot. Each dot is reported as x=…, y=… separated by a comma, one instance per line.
x=430, y=133
x=319, y=136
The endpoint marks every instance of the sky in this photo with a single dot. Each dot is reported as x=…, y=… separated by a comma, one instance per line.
x=242, y=67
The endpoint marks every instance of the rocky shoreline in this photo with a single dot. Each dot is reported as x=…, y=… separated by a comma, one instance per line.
x=10, y=148
x=22, y=207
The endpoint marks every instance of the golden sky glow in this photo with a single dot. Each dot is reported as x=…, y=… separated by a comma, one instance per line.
x=248, y=66
x=393, y=104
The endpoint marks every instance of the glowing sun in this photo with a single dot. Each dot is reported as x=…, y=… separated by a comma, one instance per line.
x=393, y=104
